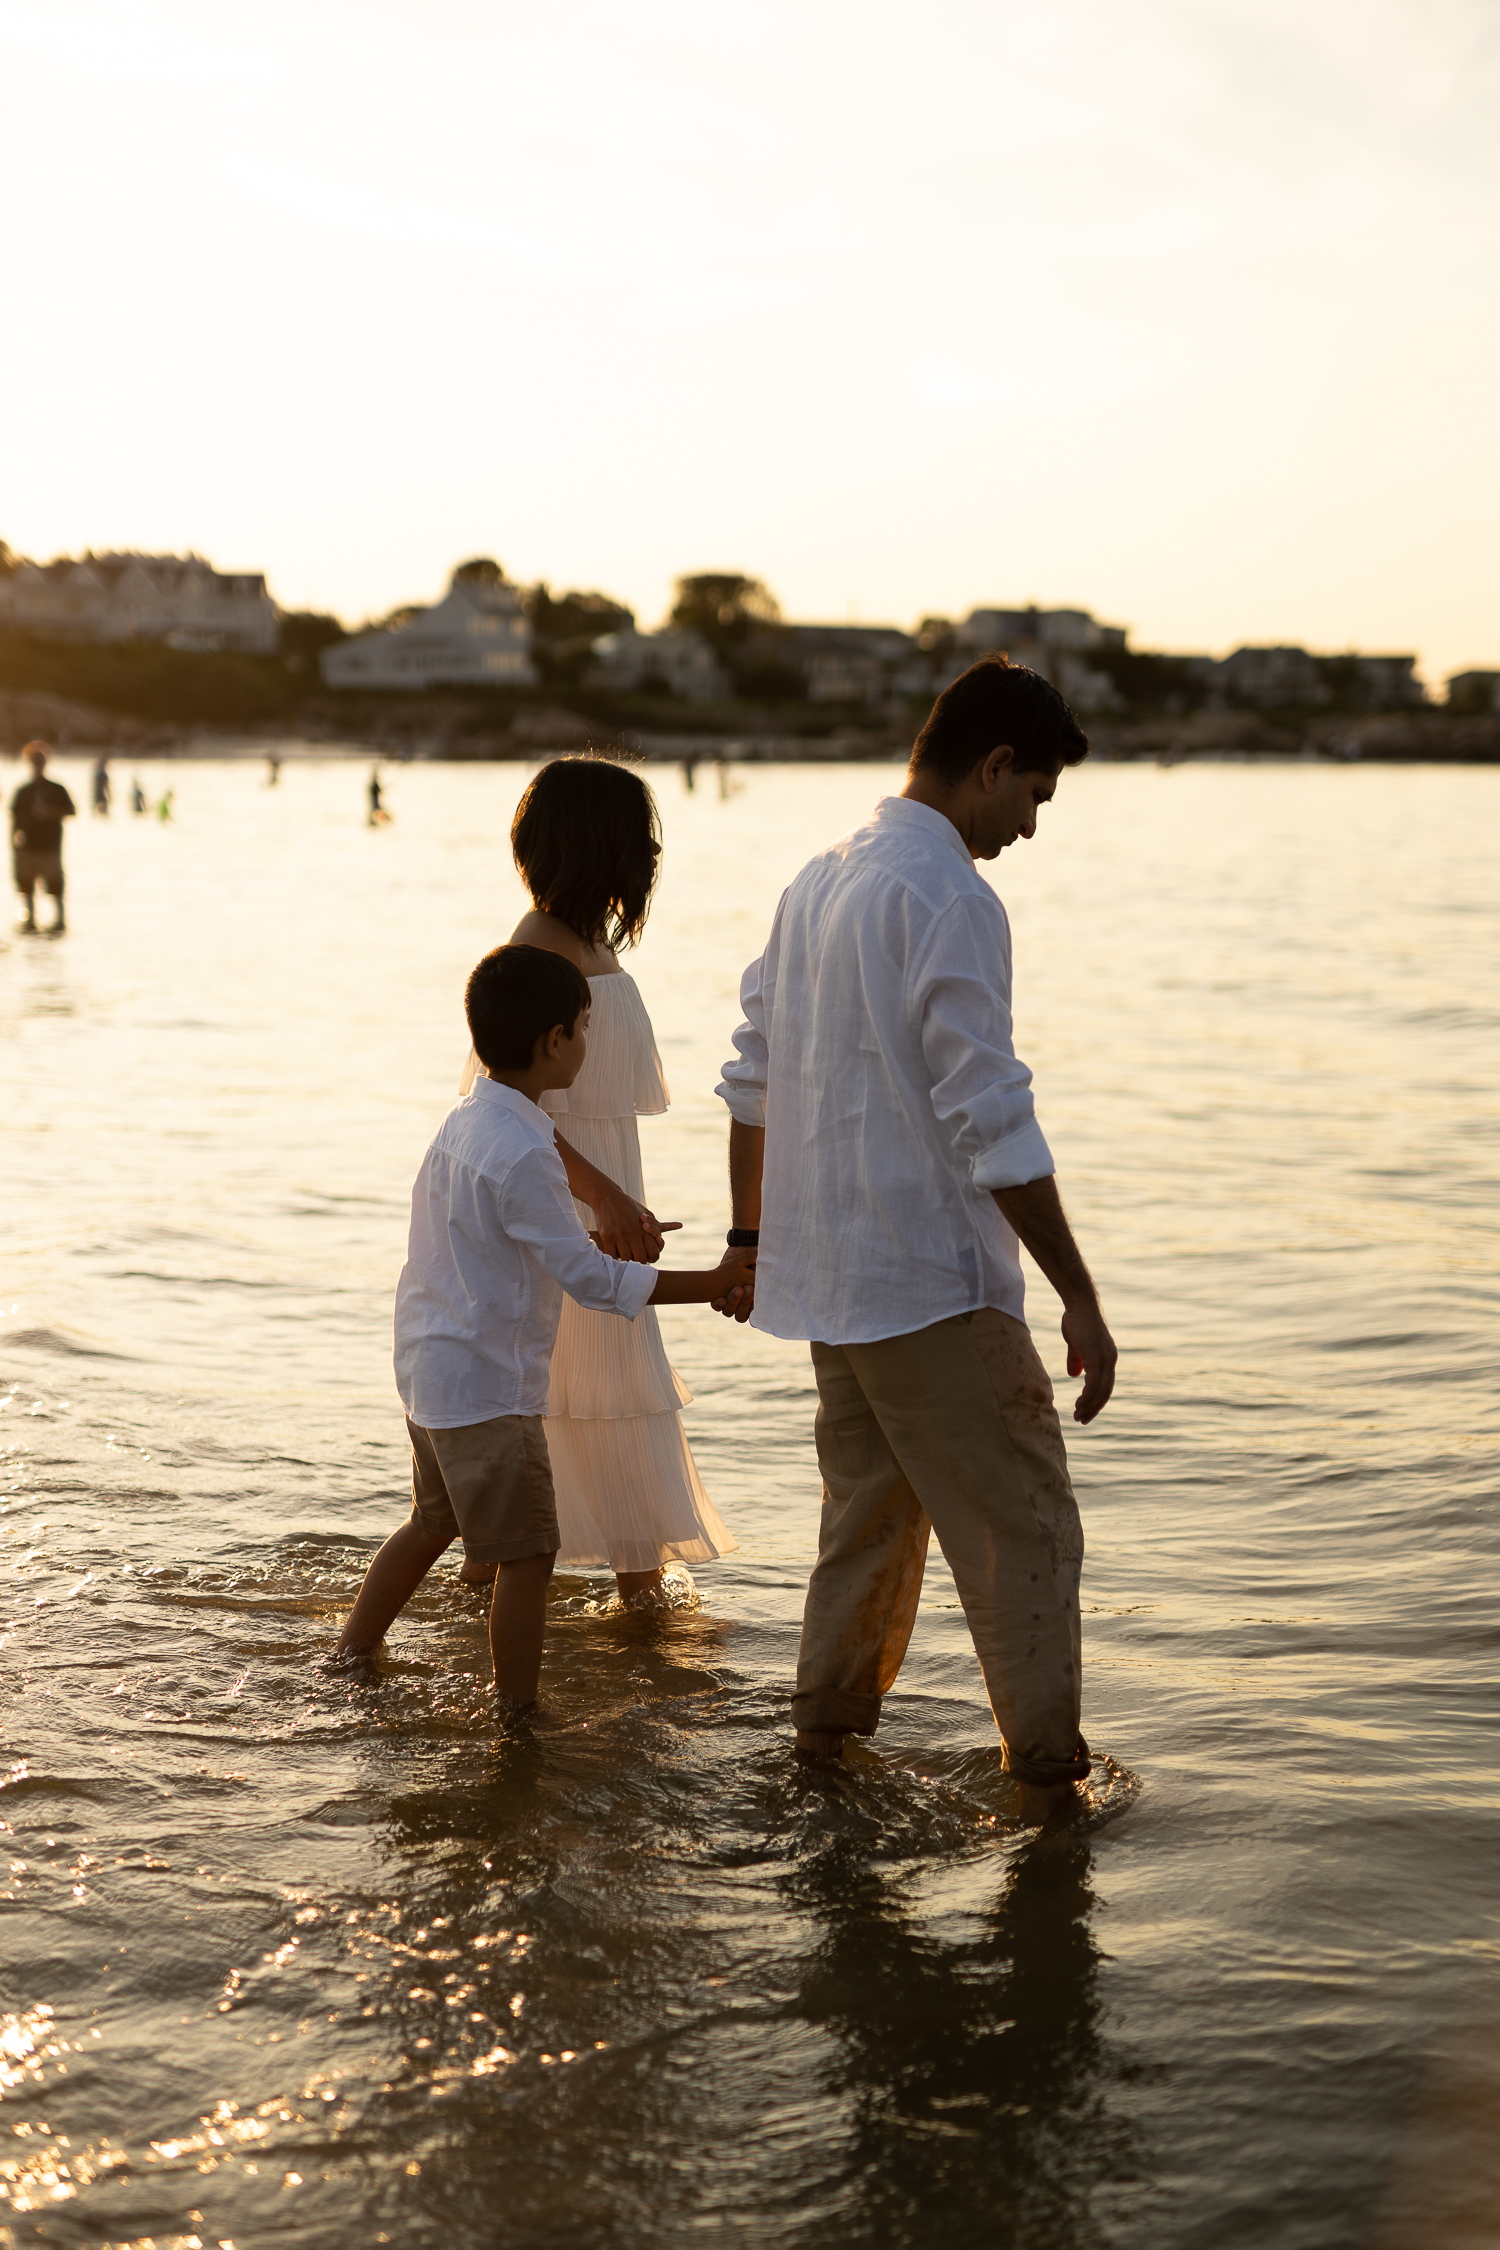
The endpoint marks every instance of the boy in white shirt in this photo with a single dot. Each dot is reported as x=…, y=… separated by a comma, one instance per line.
x=494, y=1242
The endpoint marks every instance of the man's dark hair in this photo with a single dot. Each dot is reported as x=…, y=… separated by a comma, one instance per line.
x=514, y=998
x=586, y=838
x=995, y=702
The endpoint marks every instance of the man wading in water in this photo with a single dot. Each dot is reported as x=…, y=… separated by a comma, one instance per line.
x=37, y=812
x=885, y=1145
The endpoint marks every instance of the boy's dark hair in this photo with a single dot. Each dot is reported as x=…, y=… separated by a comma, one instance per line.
x=996, y=701
x=587, y=841
x=513, y=999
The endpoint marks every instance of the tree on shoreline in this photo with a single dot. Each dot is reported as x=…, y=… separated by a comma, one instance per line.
x=725, y=607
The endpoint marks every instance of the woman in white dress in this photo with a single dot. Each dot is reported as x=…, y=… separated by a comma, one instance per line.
x=629, y=1496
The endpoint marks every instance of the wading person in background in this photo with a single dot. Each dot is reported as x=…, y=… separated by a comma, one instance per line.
x=884, y=1145
x=37, y=812
x=629, y=1496
x=101, y=785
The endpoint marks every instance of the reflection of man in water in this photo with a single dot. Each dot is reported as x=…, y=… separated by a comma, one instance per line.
x=876, y=1086
x=37, y=812
x=101, y=785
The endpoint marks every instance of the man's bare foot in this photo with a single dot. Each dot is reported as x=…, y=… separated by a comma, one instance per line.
x=478, y=1574
x=1045, y=1801
x=811, y=1744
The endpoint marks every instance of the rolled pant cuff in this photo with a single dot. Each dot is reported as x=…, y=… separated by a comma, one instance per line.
x=1045, y=1773
x=835, y=1711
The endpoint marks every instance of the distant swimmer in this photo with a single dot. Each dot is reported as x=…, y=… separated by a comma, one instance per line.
x=101, y=786
x=379, y=817
x=138, y=802
x=37, y=812
x=164, y=807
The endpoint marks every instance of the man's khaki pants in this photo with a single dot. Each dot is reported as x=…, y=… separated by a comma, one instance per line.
x=951, y=1429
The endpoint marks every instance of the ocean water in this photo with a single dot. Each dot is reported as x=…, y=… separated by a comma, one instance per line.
x=294, y=1958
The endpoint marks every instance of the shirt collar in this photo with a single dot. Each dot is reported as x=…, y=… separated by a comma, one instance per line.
x=905, y=812
x=495, y=1090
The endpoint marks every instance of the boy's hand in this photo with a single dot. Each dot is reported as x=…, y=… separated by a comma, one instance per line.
x=736, y=1299
x=626, y=1230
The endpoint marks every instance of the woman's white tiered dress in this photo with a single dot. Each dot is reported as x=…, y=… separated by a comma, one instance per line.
x=629, y=1495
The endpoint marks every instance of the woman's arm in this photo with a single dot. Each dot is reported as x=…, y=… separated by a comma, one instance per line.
x=622, y=1227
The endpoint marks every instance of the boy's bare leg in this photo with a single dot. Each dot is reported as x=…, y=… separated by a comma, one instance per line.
x=391, y=1580
x=518, y=1619
x=811, y=1744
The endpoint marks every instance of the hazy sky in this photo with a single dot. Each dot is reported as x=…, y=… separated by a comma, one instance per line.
x=1184, y=311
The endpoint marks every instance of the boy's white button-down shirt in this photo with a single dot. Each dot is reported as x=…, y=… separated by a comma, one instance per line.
x=495, y=1241
x=876, y=1051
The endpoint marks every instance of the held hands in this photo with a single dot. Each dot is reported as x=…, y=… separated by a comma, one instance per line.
x=1091, y=1354
x=736, y=1298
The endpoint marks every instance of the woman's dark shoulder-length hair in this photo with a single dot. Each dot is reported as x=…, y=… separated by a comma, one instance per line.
x=587, y=840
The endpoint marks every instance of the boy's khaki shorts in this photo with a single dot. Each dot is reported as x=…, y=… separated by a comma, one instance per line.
x=489, y=1483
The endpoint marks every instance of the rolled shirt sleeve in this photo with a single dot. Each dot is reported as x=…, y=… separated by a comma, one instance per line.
x=981, y=1091
x=743, y=1085
x=536, y=1211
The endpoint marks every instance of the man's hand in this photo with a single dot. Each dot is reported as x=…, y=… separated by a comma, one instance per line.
x=736, y=1300
x=1036, y=1213
x=1091, y=1354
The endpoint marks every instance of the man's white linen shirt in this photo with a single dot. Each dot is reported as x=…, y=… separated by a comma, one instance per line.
x=494, y=1242
x=876, y=1052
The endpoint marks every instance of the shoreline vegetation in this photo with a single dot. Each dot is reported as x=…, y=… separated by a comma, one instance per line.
x=149, y=701
x=755, y=687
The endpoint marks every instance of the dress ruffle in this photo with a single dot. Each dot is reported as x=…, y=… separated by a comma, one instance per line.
x=622, y=1074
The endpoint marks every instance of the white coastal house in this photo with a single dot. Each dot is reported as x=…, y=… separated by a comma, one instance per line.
x=177, y=599
x=476, y=636
x=1058, y=643
x=853, y=663
x=1289, y=678
x=675, y=661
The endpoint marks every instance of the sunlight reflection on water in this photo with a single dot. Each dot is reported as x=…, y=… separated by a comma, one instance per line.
x=314, y=1955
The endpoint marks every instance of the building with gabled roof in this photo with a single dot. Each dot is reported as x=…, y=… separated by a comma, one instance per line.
x=180, y=600
x=476, y=636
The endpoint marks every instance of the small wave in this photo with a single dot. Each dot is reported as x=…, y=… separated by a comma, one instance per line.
x=298, y=1605
x=190, y=1280
x=344, y=1812
x=49, y=1340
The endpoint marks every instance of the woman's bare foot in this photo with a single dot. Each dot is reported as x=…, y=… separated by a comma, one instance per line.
x=635, y=1582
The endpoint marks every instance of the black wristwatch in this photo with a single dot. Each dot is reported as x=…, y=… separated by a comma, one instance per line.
x=743, y=1238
